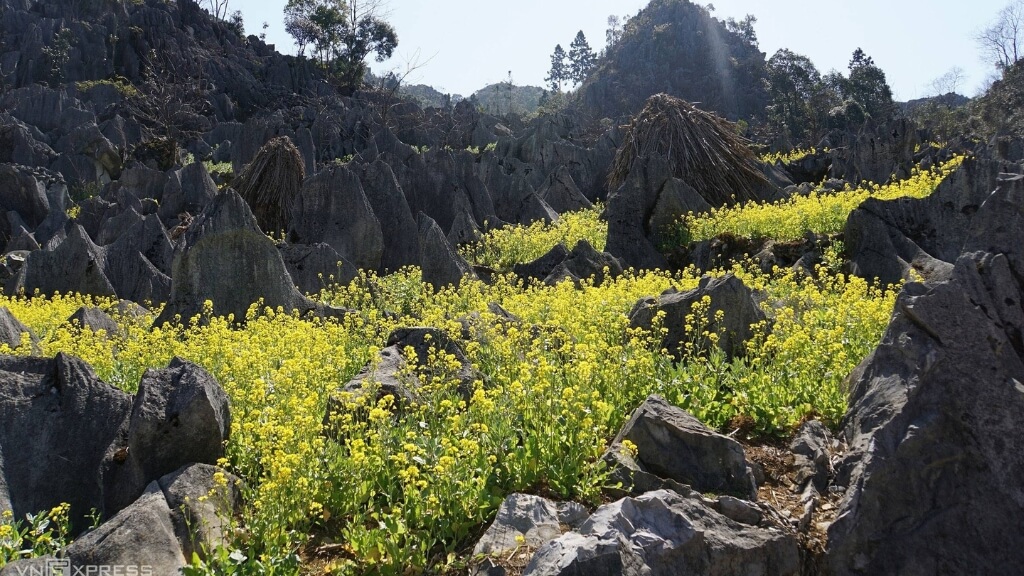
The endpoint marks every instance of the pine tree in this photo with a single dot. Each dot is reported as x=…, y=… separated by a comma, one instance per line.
x=581, y=59
x=559, y=70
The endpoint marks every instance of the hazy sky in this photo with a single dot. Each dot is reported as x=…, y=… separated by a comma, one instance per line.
x=464, y=45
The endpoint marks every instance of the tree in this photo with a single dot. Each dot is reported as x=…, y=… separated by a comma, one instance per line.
x=744, y=28
x=800, y=100
x=948, y=83
x=1003, y=40
x=581, y=58
x=219, y=8
x=559, y=69
x=867, y=86
x=614, y=31
x=364, y=33
x=342, y=35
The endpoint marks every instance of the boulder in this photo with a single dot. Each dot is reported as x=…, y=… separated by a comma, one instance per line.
x=60, y=427
x=181, y=514
x=910, y=238
x=202, y=499
x=139, y=537
x=189, y=189
x=333, y=209
x=94, y=319
x=11, y=329
x=423, y=340
x=672, y=444
x=542, y=267
x=389, y=375
x=225, y=258
x=66, y=436
x=23, y=193
x=629, y=210
x=112, y=229
x=585, y=263
x=387, y=199
x=560, y=192
x=75, y=265
x=934, y=471
x=464, y=230
x=313, y=268
x=179, y=415
x=812, y=455
x=664, y=534
x=531, y=519
x=441, y=264
x=728, y=296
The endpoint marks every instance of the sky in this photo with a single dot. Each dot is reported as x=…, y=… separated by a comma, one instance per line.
x=461, y=46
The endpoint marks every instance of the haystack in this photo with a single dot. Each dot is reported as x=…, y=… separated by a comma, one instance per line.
x=270, y=183
x=702, y=149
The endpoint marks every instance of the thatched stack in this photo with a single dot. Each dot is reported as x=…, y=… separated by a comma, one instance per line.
x=271, y=182
x=702, y=149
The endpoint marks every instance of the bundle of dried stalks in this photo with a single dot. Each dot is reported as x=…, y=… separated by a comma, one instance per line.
x=702, y=149
x=271, y=182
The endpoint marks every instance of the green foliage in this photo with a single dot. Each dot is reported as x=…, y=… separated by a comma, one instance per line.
x=120, y=83
x=496, y=98
x=559, y=71
x=867, y=86
x=581, y=59
x=57, y=55
x=342, y=35
x=800, y=98
x=1000, y=111
x=37, y=535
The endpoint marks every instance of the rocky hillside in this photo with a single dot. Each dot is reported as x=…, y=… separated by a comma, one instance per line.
x=677, y=47
x=251, y=324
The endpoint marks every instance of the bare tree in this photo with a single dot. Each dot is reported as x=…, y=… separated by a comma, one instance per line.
x=949, y=83
x=171, y=102
x=219, y=8
x=1003, y=41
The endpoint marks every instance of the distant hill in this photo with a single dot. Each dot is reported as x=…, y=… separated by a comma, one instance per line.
x=494, y=99
x=950, y=100
x=678, y=47
x=429, y=96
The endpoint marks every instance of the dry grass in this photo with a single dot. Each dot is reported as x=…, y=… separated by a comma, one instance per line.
x=702, y=149
x=271, y=182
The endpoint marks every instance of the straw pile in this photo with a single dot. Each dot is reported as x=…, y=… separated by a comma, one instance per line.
x=271, y=182
x=702, y=149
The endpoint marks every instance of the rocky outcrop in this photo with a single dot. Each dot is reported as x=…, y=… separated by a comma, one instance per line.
x=11, y=329
x=674, y=445
x=876, y=153
x=632, y=208
x=527, y=520
x=313, y=268
x=899, y=239
x=934, y=470
x=663, y=533
x=333, y=209
x=66, y=436
x=441, y=264
x=225, y=259
x=584, y=262
x=183, y=513
x=731, y=313
x=387, y=199
x=93, y=319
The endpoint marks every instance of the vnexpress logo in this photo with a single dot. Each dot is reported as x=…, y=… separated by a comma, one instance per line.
x=63, y=567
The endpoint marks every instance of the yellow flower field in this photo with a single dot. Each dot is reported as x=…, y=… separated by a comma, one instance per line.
x=819, y=212
x=403, y=492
